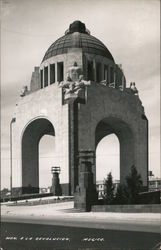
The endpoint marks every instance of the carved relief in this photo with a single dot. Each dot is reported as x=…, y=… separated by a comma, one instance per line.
x=74, y=80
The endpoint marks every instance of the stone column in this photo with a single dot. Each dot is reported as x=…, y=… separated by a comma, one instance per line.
x=48, y=74
x=94, y=69
x=73, y=144
x=56, y=187
x=85, y=195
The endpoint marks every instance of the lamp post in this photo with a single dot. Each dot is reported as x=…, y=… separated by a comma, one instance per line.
x=55, y=170
x=12, y=121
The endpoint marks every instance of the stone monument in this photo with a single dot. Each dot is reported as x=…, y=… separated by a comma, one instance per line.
x=56, y=187
x=79, y=95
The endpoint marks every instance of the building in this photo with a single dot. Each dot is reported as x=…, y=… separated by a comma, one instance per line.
x=79, y=95
x=101, y=187
x=153, y=182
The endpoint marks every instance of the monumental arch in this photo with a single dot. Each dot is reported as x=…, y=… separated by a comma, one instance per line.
x=79, y=95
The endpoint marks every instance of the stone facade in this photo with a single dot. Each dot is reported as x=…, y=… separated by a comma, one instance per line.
x=107, y=111
x=45, y=108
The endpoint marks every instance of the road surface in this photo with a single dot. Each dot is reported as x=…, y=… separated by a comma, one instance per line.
x=59, y=226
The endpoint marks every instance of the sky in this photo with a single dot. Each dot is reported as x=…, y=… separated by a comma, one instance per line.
x=129, y=29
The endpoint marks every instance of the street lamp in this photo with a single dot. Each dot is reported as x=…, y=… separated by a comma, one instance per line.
x=12, y=121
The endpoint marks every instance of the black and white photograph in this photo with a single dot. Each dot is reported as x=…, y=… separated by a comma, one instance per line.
x=80, y=125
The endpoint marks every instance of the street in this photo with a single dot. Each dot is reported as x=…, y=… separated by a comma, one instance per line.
x=60, y=226
x=20, y=236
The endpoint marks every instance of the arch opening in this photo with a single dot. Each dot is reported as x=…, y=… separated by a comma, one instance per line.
x=47, y=159
x=30, y=153
x=123, y=133
x=108, y=158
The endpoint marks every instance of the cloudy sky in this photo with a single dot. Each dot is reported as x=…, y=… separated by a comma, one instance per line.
x=129, y=29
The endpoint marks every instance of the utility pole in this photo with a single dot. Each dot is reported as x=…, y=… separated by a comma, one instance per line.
x=12, y=121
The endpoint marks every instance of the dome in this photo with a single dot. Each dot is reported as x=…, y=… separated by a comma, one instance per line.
x=78, y=37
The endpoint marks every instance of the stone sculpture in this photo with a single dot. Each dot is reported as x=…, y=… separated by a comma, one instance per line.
x=74, y=80
x=133, y=88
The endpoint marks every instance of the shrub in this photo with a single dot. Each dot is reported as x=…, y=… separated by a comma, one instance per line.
x=133, y=184
x=128, y=193
x=108, y=189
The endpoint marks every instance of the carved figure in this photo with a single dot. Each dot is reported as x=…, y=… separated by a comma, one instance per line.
x=74, y=72
x=74, y=80
x=133, y=88
x=68, y=78
x=112, y=85
x=103, y=82
x=70, y=88
x=24, y=91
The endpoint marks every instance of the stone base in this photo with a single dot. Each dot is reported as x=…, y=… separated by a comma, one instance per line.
x=85, y=199
x=86, y=194
x=149, y=197
x=65, y=189
x=56, y=190
x=155, y=208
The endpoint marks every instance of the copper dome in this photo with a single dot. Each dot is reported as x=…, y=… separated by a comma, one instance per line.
x=77, y=37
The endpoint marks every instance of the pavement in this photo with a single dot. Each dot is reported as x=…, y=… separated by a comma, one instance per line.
x=63, y=214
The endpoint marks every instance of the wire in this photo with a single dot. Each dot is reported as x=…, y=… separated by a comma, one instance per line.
x=25, y=34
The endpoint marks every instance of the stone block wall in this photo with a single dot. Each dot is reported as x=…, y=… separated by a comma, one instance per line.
x=155, y=208
x=150, y=197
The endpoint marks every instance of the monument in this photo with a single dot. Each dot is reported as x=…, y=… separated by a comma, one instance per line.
x=79, y=95
x=56, y=187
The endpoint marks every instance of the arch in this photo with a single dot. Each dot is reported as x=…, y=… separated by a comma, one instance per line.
x=30, y=152
x=113, y=125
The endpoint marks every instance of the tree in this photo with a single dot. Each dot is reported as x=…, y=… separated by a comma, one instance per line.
x=108, y=189
x=127, y=193
x=4, y=192
x=133, y=185
x=121, y=195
